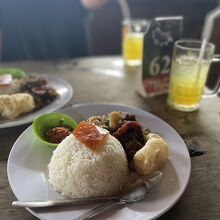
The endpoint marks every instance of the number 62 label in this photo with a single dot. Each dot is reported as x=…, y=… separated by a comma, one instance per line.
x=160, y=65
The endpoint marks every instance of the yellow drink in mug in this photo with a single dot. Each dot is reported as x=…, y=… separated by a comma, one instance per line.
x=132, y=40
x=188, y=74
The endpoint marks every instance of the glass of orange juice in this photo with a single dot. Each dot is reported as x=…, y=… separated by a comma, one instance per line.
x=132, y=40
x=189, y=74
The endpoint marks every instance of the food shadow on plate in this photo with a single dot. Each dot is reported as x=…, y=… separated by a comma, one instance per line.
x=36, y=159
x=77, y=208
x=168, y=187
x=37, y=155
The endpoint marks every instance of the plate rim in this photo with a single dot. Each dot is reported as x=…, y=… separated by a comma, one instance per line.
x=69, y=87
x=121, y=105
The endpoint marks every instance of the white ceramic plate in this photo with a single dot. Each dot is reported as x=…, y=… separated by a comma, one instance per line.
x=63, y=88
x=28, y=160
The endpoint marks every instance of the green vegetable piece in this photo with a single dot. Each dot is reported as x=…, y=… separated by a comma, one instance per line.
x=16, y=73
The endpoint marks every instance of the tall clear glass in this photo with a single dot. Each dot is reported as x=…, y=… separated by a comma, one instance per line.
x=132, y=40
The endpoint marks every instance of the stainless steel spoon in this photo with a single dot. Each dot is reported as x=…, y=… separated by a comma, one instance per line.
x=137, y=194
x=62, y=202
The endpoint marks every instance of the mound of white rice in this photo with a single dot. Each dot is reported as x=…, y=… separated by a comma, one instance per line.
x=76, y=171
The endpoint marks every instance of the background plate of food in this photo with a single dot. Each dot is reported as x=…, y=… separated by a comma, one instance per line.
x=29, y=158
x=25, y=96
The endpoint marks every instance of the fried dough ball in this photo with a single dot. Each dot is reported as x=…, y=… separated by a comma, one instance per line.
x=114, y=118
x=152, y=156
x=11, y=106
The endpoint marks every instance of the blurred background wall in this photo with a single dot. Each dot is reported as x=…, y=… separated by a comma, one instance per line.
x=42, y=29
x=105, y=23
x=51, y=29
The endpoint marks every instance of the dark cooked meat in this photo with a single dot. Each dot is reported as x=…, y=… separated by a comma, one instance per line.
x=126, y=117
x=124, y=127
x=38, y=88
x=131, y=137
x=32, y=81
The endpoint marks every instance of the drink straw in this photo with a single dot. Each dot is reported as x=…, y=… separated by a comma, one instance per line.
x=125, y=9
x=126, y=14
x=201, y=55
